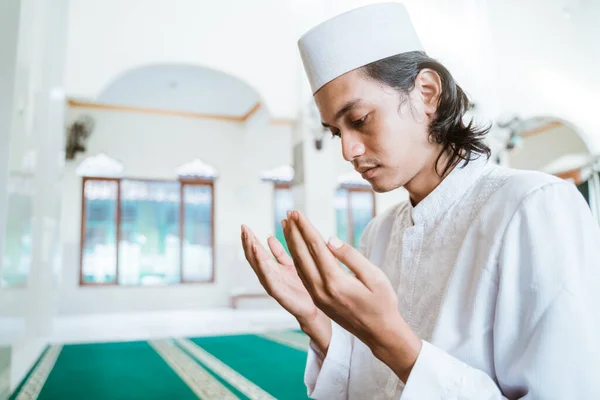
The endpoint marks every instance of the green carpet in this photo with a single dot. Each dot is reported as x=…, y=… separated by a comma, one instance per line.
x=276, y=368
x=113, y=371
x=221, y=367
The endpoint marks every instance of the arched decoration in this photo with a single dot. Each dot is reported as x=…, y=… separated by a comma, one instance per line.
x=197, y=169
x=557, y=147
x=353, y=179
x=100, y=165
x=184, y=90
x=283, y=174
x=567, y=166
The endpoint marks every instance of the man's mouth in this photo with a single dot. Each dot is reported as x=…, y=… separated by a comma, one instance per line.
x=367, y=172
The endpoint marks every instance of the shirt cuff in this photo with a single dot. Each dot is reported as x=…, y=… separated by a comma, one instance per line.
x=328, y=378
x=435, y=375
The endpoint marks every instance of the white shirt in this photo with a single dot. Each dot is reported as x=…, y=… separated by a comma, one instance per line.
x=498, y=272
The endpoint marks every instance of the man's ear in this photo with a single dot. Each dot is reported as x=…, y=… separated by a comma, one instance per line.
x=429, y=84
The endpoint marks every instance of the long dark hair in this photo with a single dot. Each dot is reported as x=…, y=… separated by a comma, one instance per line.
x=460, y=141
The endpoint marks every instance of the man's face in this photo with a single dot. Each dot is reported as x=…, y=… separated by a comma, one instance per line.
x=383, y=134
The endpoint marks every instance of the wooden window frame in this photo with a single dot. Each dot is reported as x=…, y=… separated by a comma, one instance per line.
x=182, y=183
x=278, y=186
x=355, y=189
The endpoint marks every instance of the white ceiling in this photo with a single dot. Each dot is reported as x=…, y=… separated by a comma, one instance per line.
x=527, y=58
x=181, y=88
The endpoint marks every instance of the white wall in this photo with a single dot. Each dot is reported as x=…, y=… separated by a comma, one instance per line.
x=153, y=146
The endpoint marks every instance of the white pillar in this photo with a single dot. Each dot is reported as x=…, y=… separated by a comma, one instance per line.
x=36, y=145
x=9, y=37
x=49, y=134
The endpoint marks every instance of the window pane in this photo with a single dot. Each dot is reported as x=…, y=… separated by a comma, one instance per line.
x=99, y=263
x=341, y=214
x=284, y=201
x=149, y=248
x=197, y=233
x=17, y=251
x=362, y=213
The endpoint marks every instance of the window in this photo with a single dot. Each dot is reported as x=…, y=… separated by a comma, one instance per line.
x=132, y=232
x=283, y=201
x=354, y=208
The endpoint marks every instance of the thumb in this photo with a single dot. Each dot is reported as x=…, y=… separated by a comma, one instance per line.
x=364, y=270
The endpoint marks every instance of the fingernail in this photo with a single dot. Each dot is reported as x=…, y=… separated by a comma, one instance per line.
x=335, y=243
x=289, y=213
x=284, y=224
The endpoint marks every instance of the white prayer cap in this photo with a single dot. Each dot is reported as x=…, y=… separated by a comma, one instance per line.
x=354, y=39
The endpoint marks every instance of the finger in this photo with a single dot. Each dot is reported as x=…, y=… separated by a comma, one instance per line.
x=364, y=270
x=247, y=239
x=279, y=252
x=265, y=266
x=257, y=256
x=303, y=261
x=298, y=271
x=324, y=259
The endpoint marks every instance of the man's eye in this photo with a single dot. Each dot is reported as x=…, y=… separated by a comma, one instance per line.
x=359, y=122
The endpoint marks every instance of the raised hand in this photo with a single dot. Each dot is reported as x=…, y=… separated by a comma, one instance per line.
x=280, y=279
x=364, y=303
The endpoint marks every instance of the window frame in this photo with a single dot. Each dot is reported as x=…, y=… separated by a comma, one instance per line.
x=356, y=189
x=182, y=183
x=279, y=186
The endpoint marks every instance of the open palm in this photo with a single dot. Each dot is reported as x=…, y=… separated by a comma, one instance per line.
x=278, y=275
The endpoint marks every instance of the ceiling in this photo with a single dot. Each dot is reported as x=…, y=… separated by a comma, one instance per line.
x=181, y=88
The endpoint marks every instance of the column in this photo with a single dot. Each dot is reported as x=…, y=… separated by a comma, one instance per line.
x=9, y=36
x=36, y=152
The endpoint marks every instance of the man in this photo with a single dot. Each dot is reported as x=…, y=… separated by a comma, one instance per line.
x=484, y=285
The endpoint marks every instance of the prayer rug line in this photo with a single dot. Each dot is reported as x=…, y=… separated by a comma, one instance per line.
x=33, y=386
x=202, y=383
x=226, y=373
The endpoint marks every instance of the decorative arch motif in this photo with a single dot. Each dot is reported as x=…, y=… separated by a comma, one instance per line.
x=100, y=165
x=281, y=174
x=197, y=169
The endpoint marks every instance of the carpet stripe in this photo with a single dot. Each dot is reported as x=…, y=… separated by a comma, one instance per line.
x=229, y=375
x=295, y=340
x=276, y=368
x=5, y=383
x=33, y=386
x=204, y=385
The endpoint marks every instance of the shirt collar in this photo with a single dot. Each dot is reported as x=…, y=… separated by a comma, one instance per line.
x=448, y=191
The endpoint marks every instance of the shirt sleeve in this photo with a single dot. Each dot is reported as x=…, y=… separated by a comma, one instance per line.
x=328, y=377
x=547, y=322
